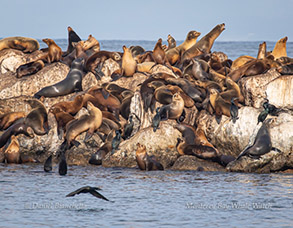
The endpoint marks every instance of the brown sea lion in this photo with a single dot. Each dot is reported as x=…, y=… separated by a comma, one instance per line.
x=128, y=62
x=205, y=44
x=71, y=107
x=159, y=54
x=62, y=118
x=95, y=62
x=262, y=51
x=220, y=105
x=280, y=49
x=89, y=123
x=232, y=90
x=72, y=37
x=145, y=67
x=285, y=60
x=171, y=43
x=145, y=57
x=188, y=102
x=174, y=109
x=12, y=152
x=136, y=50
x=20, y=43
x=37, y=118
x=144, y=161
x=8, y=119
x=173, y=55
x=54, y=51
x=19, y=127
x=29, y=68
x=91, y=43
x=240, y=61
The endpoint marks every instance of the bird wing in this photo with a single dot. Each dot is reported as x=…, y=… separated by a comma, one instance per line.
x=96, y=194
x=78, y=191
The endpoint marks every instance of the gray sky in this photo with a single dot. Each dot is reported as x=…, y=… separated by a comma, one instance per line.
x=249, y=20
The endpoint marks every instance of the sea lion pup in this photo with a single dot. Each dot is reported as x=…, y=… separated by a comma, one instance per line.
x=198, y=71
x=262, y=51
x=12, y=152
x=71, y=107
x=89, y=123
x=146, y=162
x=174, y=109
x=173, y=55
x=72, y=37
x=29, y=68
x=19, y=127
x=188, y=102
x=9, y=118
x=136, y=50
x=262, y=143
x=128, y=63
x=72, y=82
x=205, y=44
x=20, y=43
x=161, y=93
x=54, y=51
x=96, y=61
x=280, y=48
x=171, y=42
x=232, y=90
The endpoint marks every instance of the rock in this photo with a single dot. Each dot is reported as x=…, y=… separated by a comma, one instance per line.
x=188, y=162
x=160, y=143
x=270, y=85
x=28, y=86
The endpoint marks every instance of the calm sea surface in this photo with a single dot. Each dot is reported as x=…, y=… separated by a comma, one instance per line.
x=32, y=198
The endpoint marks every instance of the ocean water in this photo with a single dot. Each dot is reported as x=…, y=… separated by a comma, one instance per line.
x=32, y=198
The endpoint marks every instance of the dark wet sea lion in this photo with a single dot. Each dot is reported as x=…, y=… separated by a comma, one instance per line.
x=72, y=82
x=29, y=68
x=72, y=37
x=19, y=127
x=262, y=143
x=205, y=44
x=159, y=54
x=9, y=118
x=37, y=118
x=146, y=162
x=78, y=52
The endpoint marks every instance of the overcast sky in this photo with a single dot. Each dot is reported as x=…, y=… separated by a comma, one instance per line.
x=249, y=20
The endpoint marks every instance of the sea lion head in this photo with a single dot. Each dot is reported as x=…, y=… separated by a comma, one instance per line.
x=69, y=29
x=222, y=26
x=193, y=35
x=140, y=148
x=176, y=97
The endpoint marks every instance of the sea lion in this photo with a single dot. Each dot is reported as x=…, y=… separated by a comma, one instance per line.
x=89, y=123
x=71, y=107
x=136, y=50
x=78, y=52
x=90, y=44
x=198, y=71
x=262, y=143
x=54, y=51
x=128, y=63
x=9, y=118
x=173, y=55
x=29, y=68
x=144, y=161
x=262, y=51
x=12, y=152
x=95, y=62
x=37, y=118
x=220, y=105
x=280, y=48
x=232, y=90
x=159, y=54
x=72, y=82
x=205, y=44
x=72, y=37
x=171, y=43
x=20, y=43
x=240, y=61
x=19, y=127
x=285, y=60
x=161, y=92
x=286, y=69
x=174, y=109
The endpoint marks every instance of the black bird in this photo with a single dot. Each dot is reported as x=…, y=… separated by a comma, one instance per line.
x=272, y=109
x=88, y=189
x=128, y=128
x=156, y=120
x=234, y=110
x=48, y=164
x=62, y=165
x=262, y=116
x=116, y=141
